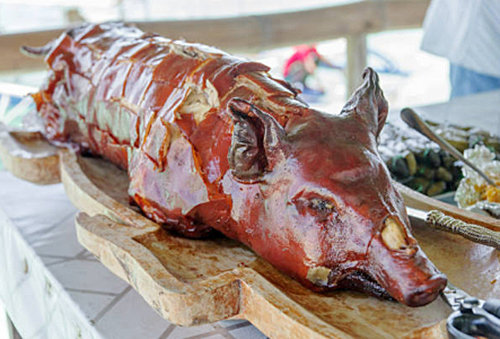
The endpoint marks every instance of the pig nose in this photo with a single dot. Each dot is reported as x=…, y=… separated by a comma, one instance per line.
x=394, y=236
x=426, y=292
x=403, y=269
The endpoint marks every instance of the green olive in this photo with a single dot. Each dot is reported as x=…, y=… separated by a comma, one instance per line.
x=398, y=167
x=411, y=162
x=436, y=188
x=431, y=158
x=443, y=174
x=419, y=184
x=448, y=161
x=426, y=172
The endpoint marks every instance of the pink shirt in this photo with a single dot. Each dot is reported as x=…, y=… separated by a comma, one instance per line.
x=300, y=55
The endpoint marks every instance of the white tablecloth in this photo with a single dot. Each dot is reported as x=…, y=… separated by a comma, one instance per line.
x=53, y=288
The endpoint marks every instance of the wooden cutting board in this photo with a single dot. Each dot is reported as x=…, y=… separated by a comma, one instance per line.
x=191, y=282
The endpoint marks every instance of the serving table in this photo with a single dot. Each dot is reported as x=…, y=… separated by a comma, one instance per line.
x=52, y=287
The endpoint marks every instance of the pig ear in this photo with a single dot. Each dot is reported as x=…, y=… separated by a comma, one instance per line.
x=368, y=103
x=256, y=144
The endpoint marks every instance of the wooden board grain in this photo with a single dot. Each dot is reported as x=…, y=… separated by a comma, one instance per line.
x=28, y=156
x=192, y=282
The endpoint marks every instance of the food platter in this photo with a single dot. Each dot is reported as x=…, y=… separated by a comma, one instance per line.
x=191, y=282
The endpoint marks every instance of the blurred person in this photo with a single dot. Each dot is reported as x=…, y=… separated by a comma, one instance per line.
x=467, y=33
x=301, y=66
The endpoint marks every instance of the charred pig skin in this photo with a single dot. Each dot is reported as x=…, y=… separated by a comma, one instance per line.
x=213, y=142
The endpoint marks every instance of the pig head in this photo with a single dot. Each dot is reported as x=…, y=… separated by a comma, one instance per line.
x=317, y=201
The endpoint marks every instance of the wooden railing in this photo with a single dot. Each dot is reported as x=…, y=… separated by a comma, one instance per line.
x=258, y=32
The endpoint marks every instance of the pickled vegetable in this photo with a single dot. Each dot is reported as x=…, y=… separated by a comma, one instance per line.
x=419, y=184
x=443, y=174
x=436, y=188
x=411, y=162
x=419, y=163
x=399, y=167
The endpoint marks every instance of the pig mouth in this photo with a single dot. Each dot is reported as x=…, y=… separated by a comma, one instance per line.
x=362, y=282
x=323, y=279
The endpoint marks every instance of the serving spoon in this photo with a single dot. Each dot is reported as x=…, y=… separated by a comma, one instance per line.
x=413, y=120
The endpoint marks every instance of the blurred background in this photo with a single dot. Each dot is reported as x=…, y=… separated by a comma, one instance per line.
x=408, y=76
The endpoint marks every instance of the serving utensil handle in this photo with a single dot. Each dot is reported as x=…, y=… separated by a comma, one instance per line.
x=475, y=233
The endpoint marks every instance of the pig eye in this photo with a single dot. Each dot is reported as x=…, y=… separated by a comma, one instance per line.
x=316, y=206
x=321, y=205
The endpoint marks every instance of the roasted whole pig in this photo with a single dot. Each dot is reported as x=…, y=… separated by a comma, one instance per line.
x=213, y=142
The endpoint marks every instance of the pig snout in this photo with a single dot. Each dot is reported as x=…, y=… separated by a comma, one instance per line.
x=401, y=268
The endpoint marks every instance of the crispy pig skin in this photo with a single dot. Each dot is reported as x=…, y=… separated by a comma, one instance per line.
x=213, y=142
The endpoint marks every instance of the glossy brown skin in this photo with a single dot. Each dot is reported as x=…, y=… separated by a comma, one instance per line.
x=302, y=188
